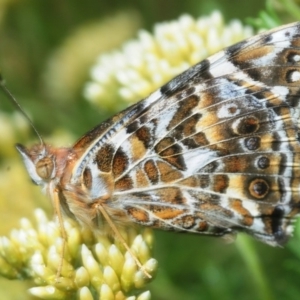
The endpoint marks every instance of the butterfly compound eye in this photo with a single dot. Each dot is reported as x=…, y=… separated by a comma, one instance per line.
x=44, y=167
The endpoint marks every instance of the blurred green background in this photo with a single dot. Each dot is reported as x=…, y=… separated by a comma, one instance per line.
x=35, y=33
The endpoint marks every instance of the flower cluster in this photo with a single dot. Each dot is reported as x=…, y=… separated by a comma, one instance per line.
x=143, y=65
x=93, y=267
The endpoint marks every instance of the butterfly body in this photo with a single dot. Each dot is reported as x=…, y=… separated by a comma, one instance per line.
x=215, y=151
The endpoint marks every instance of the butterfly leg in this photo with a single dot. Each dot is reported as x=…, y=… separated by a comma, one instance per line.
x=56, y=202
x=121, y=239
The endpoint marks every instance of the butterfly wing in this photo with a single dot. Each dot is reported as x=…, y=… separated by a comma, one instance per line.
x=214, y=151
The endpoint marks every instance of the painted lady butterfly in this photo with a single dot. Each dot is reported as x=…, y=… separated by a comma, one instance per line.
x=215, y=151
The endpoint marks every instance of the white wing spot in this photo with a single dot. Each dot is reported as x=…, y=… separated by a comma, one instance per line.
x=296, y=58
x=228, y=110
x=295, y=76
x=280, y=90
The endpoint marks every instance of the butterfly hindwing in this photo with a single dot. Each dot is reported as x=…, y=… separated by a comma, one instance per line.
x=214, y=151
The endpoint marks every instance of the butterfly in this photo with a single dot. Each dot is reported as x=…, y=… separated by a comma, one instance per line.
x=215, y=151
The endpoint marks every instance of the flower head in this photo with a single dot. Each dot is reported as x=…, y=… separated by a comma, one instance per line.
x=93, y=266
x=143, y=65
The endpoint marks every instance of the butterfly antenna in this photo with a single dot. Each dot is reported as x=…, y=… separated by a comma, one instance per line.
x=18, y=106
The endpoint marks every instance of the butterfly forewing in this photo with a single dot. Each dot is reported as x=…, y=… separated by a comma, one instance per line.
x=214, y=151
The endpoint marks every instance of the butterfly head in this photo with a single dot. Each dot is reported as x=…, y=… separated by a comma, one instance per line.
x=39, y=163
